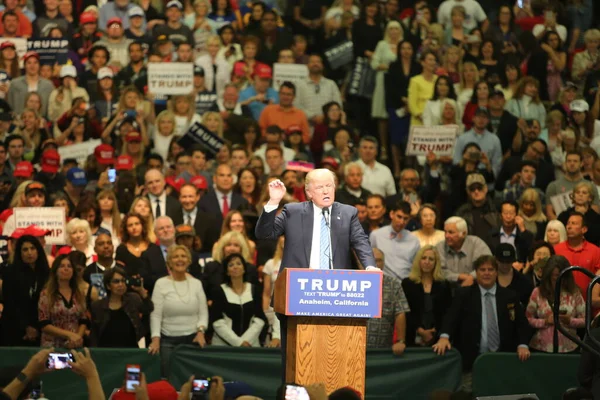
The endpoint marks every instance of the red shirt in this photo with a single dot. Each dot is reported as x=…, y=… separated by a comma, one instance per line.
x=588, y=257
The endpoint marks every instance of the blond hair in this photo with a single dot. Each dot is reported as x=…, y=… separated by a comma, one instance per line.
x=17, y=199
x=76, y=224
x=149, y=220
x=171, y=253
x=115, y=214
x=415, y=272
x=533, y=196
x=217, y=254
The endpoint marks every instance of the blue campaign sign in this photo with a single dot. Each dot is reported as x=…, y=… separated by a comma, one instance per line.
x=334, y=293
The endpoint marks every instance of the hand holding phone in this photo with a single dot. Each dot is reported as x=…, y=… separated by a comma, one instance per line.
x=295, y=392
x=132, y=377
x=112, y=175
x=59, y=360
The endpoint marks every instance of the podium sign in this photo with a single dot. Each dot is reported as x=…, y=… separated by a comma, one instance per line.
x=334, y=293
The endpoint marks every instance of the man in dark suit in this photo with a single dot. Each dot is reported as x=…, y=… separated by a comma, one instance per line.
x=352, y=189
x=485, y=317
x=502, y=123
x=299, y=223
x=221, y=199
x=160, y=203
x=205, y=225
x=512, y=230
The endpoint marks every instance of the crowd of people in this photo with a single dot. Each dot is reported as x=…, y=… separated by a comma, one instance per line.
x=159, y=245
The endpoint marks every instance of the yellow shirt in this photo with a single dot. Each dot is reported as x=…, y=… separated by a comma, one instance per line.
x=419, y=92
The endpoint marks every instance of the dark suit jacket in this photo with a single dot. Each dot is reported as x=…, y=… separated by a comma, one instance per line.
x=210, y=204
x=296, y=222
x=463, y=322
x=543, y=175
x=345, y=197
x=205, y=225
x=173, y=207
x=441, y=297
x=214, y=275
x=506, y=130
x=523, y=244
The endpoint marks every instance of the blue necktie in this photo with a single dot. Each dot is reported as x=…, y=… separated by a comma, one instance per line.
x=493, y=336
x=324, y=245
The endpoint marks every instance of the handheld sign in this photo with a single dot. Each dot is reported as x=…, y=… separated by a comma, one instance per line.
x=198, y=133
x=295, y=73
x=334, y=293
x=79, y=151
x=53, y=51
x=437, y=139
x=51, y=218
x=170, y=78
x=560, y=202
x=339, y=55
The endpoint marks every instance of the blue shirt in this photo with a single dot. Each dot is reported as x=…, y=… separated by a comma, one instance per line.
x=257, y=107
x=399, y=251
x=489, y=143
x=483, y=345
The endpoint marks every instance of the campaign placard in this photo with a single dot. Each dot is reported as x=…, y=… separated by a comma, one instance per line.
x=300, y=166
x=438, y=139
x=51, y=51
x=294, y=73
x=560, y=202
x=20, y=47
x=339, y=55
x=50, y=218
x=79, y=151
x=198, y=133
x=334, y=293
x=170, y=78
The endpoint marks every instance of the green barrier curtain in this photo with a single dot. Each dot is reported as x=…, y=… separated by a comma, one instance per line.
x=547, y=375
x=67, y=385
x=412, y=376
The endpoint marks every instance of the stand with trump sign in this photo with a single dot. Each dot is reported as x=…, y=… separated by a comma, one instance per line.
x=327, y=313
x=439, y=139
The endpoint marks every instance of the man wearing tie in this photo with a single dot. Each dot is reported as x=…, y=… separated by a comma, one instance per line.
x=160, y=203
x=222, y=199
x=484, y=317
x=319, y=233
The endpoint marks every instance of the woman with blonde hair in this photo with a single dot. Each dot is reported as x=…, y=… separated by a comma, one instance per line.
x=217, y=71
x=141, y=205
x=79, y=237
x=428, y=295
x=184, y=110
x=230, y=243
x=18, y=199
x=213, y=121
x=200, y=24
x=33, y=135
x=555, y=232
x=134, y=146
x=452, y=63
x=109, y=210
x=334, y=15
x=583, y=197
x=385, y=53
x=234, y=221
x=526, y=103
x=554, y=124
x=163, y=132
x=587, y=61
x=464, y=89
x=421, y=87
x=530, y=209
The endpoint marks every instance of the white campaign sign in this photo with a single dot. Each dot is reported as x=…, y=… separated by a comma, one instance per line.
x=294, y=73
x=170, y=78
x=560, y=202
x=51, y=218
x=79, y=151
x=437, y=139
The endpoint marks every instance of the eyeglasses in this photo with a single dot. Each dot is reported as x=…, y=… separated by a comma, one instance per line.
x=117, y=281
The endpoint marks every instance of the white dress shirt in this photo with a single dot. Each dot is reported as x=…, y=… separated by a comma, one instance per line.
x=378, y=180
x=162, y=200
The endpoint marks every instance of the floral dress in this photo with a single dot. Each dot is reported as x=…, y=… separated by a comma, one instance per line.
x=63, y=314
x=537, y=313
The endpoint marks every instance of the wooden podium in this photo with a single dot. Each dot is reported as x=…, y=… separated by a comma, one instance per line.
x=321, y=345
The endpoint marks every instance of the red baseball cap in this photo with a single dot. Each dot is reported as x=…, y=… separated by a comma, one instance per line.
x=330, y=161
x=65, y=250
x=175, y=183
x=50, y=161
x=7, y=44
x=133, y=136
x=36, y=231
x=105, y=154
x=239, y=69
x=161, y=390
x=200, y=182
x=23, y=169
x=30, y=54
x=124, y=163
x=87, y=18
x=293, y=129
x=17, y=233
x=114, y=20
x=263, y=71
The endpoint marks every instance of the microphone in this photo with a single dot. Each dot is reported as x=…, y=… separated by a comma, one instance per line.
x=326, y=215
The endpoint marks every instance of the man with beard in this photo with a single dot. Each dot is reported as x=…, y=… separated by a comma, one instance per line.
x=135, y=70
x=116, y=42
x=24, y=28
x=316, y=91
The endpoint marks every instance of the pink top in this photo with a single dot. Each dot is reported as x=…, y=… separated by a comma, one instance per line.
x=537, y=313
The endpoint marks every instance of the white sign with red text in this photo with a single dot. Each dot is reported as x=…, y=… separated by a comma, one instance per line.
x=50, y=218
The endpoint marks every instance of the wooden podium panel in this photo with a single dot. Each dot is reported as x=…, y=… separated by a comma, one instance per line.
x=327, y=350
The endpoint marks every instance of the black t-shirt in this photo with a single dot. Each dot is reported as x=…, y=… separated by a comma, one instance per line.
x=119, y=331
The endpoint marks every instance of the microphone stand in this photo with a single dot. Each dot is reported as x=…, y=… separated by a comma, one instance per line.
x=330, y=255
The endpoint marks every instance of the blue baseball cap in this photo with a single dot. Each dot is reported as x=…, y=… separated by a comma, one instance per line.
x=77, y=177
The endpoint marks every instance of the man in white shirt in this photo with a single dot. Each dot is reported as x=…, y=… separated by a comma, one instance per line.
x=316, y=91
x=474, y=14
x=550, y=24
x=378, y=178
x=160, y=203
x=274, y=136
